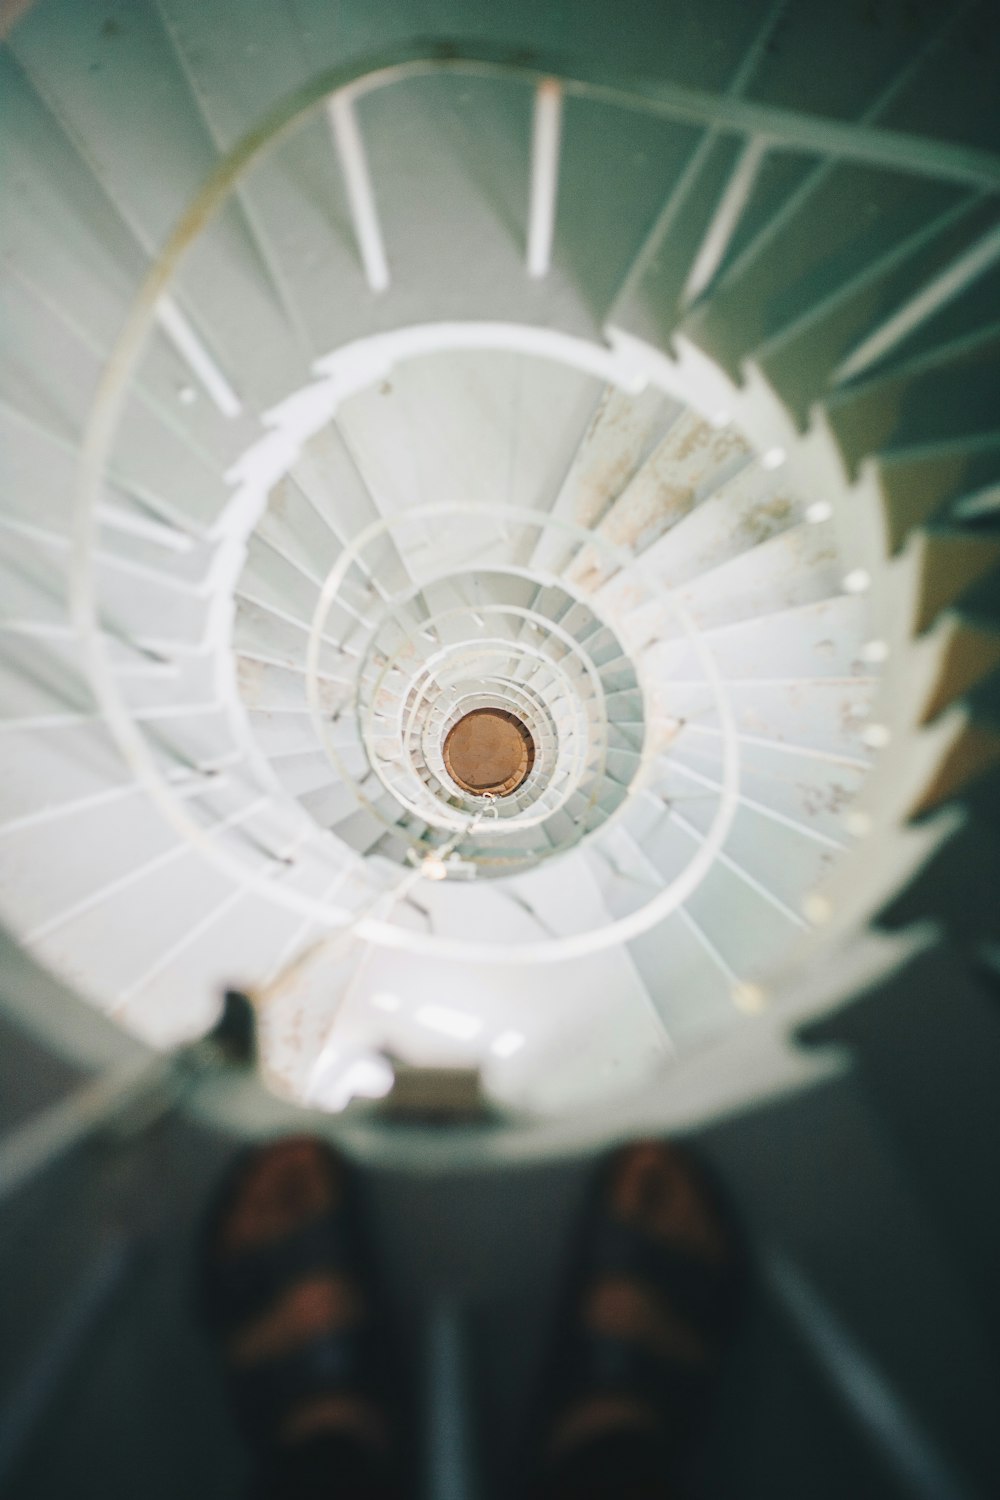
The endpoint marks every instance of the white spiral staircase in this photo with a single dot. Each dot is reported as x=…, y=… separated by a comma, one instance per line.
x=355, y=383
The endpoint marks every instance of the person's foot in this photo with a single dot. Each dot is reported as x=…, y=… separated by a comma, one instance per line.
x=651, y=1318
x=285, y=1294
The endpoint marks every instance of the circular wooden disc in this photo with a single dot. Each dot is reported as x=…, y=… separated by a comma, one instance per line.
x=489, y=750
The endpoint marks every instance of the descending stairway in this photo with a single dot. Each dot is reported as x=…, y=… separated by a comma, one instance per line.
x=358, y=384
x=628, y=373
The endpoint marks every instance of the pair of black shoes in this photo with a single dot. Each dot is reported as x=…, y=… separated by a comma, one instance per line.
x=289, y=1295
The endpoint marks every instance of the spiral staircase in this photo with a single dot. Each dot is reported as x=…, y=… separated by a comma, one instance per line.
x=614, y=398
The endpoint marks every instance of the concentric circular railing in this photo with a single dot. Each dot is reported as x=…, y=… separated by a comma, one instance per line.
x=414, y=683
x=392, y=660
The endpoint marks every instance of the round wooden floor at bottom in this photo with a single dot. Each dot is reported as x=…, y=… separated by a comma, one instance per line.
x=489, y=750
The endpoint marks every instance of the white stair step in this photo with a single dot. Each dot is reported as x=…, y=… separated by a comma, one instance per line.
x=330, y=803
x=43, y=769
x=44, y=692
x=569, y=823
x=162, y=393
x=785, y=860
x=960, y=746
x=626, y=735
x=259, y=633
x=63, y=236
x=622, y=764
x=49, y=867
x=618, y=675
x=337, y=475
x=272, y=688
x=48, y=675
x=43, y=470
x=235, y=945
x=797, y=567
x=813, y=789
x=225, y=282
x=824, y=714
x=271, y=579
x=623, y=705
x=36, y=587
x=691, y=991
x=746, y=510
x=825, y=638
x=362, y=830
x=454, y=416
x=483, y=912
x=280, y=734
x=295, y=193
x=292, y=527
x=308, y=772
x=857, y=890
x=41, y=772
x=622, y=432
x=688, y=464
x=109, y=945
x=562, y=895
x=37, y=681
x=146, y=454
x=743, y=921
x=691, y=994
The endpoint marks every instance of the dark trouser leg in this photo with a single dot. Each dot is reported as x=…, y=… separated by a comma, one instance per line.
x=618, y=1466
x=645, y=1333
x=328, y=1467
